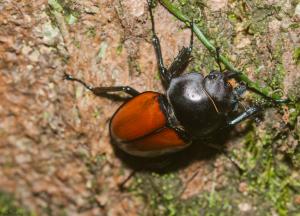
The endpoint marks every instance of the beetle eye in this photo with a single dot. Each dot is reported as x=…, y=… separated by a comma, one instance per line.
x=212, y=76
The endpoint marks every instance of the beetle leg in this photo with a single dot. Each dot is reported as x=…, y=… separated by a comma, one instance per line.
x=183, y=58
x=127, y=89
x=162, y=70
x=244, y=86
x=99, y=91
x=121, y=185
x=180, y=62
x=239, y=90
x=227, y=155
x=244, y=115
x=237, y=93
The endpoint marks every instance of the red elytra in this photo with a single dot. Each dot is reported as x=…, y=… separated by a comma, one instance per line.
x=140, y=128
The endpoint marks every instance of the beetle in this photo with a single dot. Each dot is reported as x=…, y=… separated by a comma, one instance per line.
x=194, y=106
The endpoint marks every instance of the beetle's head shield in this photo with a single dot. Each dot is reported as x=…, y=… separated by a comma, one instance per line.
x=219, y=90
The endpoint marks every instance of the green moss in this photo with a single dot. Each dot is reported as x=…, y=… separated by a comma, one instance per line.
x=76, y=43
x=94, y=164
x=296, y=55
x=91, y=31
x=293, y=152
x=183, y=2
x=162, y=192
x=55, y=5
x=294, y=26
x=134, y=66
x=232, y=17
x=97, y=112
x=120, y=48
x=278, y=77
x=64, y=7
x=294, y=91
x=71, y=18
x=258, y=20
x=157, y=76
x=8, y=207
x=294, y=112
x=268, y=176
x=102, y=51
x=276, y=73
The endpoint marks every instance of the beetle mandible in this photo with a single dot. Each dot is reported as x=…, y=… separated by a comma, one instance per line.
x=152, y=124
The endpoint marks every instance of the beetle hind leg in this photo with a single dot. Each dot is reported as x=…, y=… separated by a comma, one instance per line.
x=181, y=60
x=156, y=43
x=99, y=91
x=71, y=78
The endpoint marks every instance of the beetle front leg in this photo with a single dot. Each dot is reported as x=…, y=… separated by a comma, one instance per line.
x=99, y=91
x=183, y=58
x=235, y=75
x=274, y=101
x=251, y=111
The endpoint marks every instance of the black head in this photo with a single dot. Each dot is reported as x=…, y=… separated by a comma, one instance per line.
x=219, y=90
x=200, y=103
